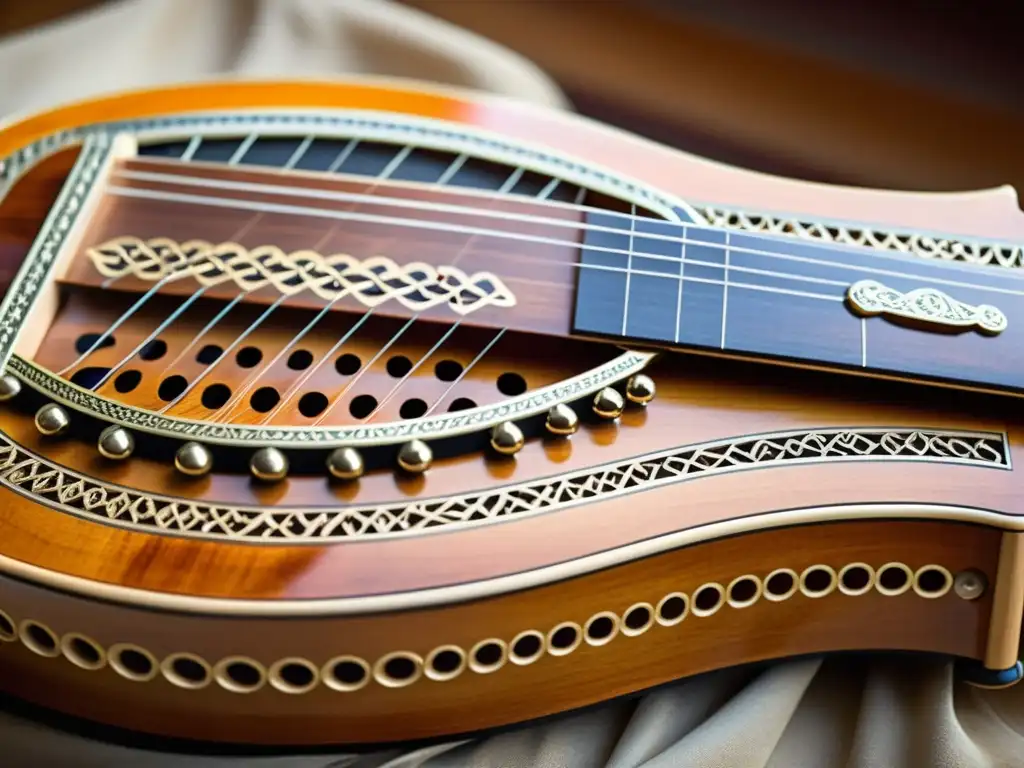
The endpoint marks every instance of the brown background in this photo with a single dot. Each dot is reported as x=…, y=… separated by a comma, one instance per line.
x=905, y=95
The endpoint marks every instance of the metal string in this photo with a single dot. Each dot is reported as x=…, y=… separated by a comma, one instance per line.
x=254, y=377
x=205, y=330
x=244, y=335
x=465, y=372
x=313, y=369
x=337, y=398
x=430, y=353
x=156, y=332
x=176, y=274
x=455, y=208
x=523, y=237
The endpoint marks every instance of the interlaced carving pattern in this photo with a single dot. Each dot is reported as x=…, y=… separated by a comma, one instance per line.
x=56, y=486
x=372, y=281
x=914, y=243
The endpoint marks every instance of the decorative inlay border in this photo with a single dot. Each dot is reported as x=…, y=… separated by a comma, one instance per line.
x=401, y=668
x=371, y=282
x=31, y=277
x=927, y=305
x=915, y=243
x=57, y=487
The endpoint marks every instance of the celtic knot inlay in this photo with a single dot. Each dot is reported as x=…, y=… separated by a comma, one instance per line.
x=55, y=486
x=929, y=305
x=372, y=281
x=915, y=243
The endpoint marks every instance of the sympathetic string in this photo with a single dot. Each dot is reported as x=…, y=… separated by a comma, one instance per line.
x=623, y=219
x=359, y=374
x=429, y=224
x=231, y=348
x=430, y=353
x=329, y=355
x=465, y=372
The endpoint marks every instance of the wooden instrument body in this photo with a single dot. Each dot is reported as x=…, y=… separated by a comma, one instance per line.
x=697, y=489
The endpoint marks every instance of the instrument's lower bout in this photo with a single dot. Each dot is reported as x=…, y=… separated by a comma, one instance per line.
x=453, y=669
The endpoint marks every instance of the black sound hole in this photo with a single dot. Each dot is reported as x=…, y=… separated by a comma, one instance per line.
x=84, y=651
x=412, y=409
x=400, y=668
x=893, y=578
x=931, y=581
x=189, y=669
x=564, y=638
x=448, y=370
x=446, y=662
x=462, y=404
x=488, y=654
x=672, y=609
x=399, y=366
x=153, y=350
x=348, y=673
x=511, y=384
x=818, y=580
x=216, y=396
x=856, y=578
x=243, y=675
x=362, y=406
x=86, y=341
x=637, y=618
x=600, y=628
x=526, y=647
x=6, y=627
x=297, y=675
x=172, y=387
x=42, y=638
x=743, y=591
x=312, y=404
x=136, y=663
x=707, y=599
x=87, y=378
x=347, y=365
x=127, y=381
x=300, y=359
x=249, y=357
x=209, y=354
x=264, y=399
x=779, y=584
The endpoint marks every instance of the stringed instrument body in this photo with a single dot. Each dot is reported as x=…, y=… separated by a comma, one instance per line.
x=349, y=413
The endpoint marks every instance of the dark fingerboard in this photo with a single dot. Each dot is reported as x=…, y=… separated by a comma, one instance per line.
x=783, y=299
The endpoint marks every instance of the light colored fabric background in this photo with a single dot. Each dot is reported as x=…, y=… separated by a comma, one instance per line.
x=880, y=712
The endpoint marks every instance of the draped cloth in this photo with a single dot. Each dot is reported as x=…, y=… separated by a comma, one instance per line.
x=851, y=712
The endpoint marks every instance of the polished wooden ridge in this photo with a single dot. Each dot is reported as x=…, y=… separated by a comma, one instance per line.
x=426, y=708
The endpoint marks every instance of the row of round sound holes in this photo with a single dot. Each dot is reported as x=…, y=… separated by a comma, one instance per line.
x=510, y=384
x=311, y=404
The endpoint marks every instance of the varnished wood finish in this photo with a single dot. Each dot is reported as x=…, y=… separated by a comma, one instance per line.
x=764, y=630
x=724, y=516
